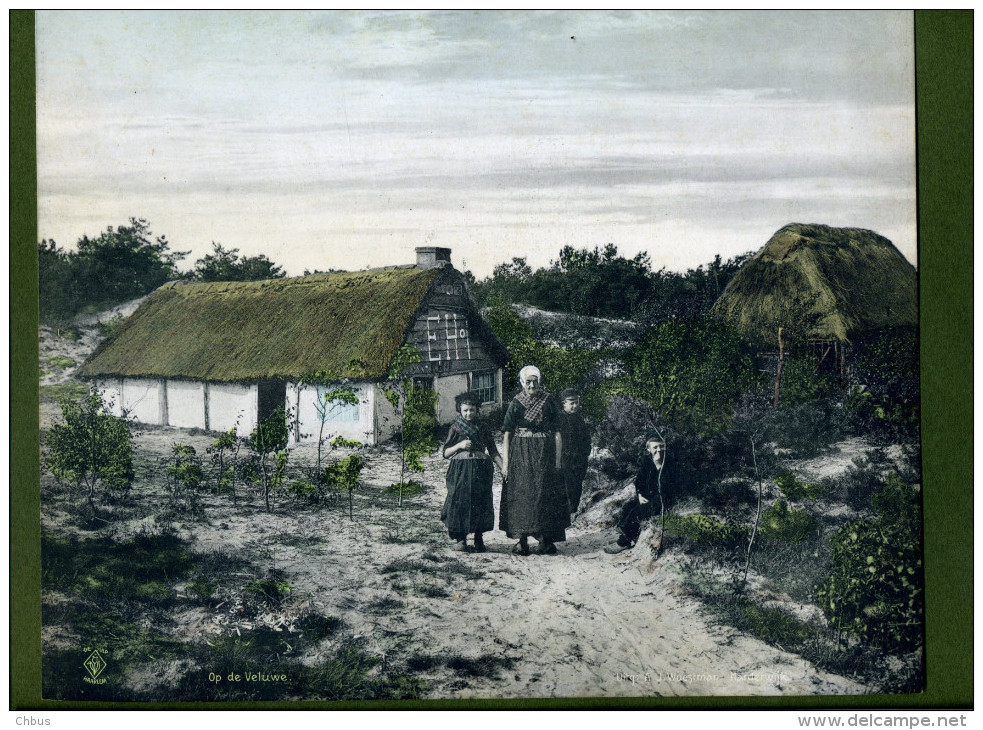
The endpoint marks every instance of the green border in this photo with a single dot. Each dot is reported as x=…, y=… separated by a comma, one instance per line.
x=944, y=73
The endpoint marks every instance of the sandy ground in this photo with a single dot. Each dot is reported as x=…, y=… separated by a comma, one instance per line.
x=581, y=623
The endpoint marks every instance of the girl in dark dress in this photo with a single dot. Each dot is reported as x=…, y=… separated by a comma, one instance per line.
x=576, y=446
x=471, y=449
x=534, y=499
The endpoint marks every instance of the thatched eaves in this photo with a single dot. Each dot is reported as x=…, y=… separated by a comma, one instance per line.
x=350, y=323
x=837, y=283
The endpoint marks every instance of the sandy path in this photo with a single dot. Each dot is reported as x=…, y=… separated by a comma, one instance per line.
x=582, y=623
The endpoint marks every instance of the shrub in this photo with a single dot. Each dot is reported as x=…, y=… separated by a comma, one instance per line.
x=727, y=497
x=70, y=332
x=795, y=490
x=110, y=326
x=91, y=447
x=863, y=479
x=885, y=403
x=694, y=460
x=808, y=429
x=692, y=371
x=304, y=489
x=344, y=475
x=622, y=432
x=224, y=452
x=803, y=381
x=704, y=530
x=876, y=590
x=272, y=589
x=562, y=367
x=61, y=362
x=185, y=476
x=779, y=523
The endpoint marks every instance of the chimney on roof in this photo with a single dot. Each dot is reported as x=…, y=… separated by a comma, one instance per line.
x=427, y=256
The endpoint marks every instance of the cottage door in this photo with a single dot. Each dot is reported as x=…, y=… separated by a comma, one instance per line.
x=272, y=395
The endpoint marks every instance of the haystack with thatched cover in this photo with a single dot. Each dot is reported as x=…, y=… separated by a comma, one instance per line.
x=826, y=284
x=224, y=355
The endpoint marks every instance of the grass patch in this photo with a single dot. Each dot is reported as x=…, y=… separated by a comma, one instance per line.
x=113, y=629
x=706, y=531
x=434, y=565
x=409, y=488
x=429, y=590
x=143, y=568
x=384, y=605
x=61, y=362
x=344, y=676
x=487, y=666
x=406, y=565
x=403, y=536
x=816, y=644
x=794, y=568
x=315, y=627
x=63, y=391
x=273, y=589
x=69, y=332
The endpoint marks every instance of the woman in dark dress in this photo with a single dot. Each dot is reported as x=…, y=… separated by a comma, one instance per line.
x=471, y=449
x=534, y=499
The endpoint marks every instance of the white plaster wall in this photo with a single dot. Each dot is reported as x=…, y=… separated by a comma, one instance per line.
x=143, y=400
x=447, y=389
x=111, y=392
x=309, y=423
x=228, y=402
x=186, y=403
x=293, y=412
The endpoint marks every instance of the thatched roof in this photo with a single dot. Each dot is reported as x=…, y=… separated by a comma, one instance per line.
x=277, y=329
x=835, y=283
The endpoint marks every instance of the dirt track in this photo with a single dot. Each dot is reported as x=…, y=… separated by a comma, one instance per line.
x=582, y=623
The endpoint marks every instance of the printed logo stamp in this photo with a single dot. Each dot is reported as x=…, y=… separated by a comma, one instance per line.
x=94, y=665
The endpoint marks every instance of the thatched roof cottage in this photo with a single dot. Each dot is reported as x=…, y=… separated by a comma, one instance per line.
x=837, y=284
x=221, y=355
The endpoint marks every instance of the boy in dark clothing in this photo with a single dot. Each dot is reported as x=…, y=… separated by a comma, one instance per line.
x=576, y=446
x=652, y=494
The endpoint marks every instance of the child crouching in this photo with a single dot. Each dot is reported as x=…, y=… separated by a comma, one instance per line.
x=471, y=450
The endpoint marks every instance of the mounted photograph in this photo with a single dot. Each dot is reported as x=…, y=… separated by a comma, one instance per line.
x=478, y=355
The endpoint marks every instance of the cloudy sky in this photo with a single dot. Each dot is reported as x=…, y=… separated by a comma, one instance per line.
x=345, y=139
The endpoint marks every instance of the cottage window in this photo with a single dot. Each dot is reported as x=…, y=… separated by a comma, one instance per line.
x=336, y=412
x=486, y=385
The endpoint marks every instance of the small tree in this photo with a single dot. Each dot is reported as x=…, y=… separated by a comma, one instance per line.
x=345, y=473
x=225, y=446
x=333, y=390
x=92, y=446
x=269, y=438
x=185, y=476
x=417, y=406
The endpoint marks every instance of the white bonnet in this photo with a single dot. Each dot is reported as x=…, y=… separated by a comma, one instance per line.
x=530, y=370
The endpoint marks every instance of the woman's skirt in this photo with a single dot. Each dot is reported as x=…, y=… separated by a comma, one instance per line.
x=468, y=506
x=534, y=499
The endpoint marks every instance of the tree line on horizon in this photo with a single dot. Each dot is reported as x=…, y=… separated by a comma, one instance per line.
x=128, y=261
